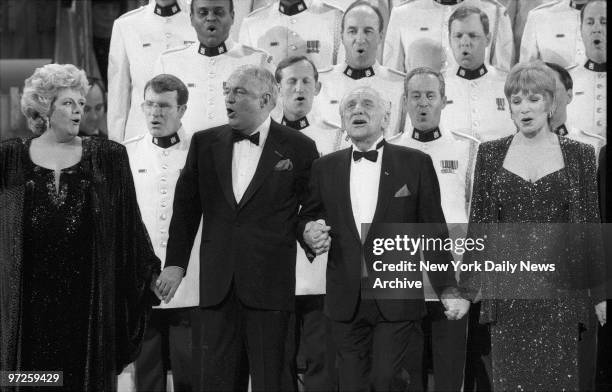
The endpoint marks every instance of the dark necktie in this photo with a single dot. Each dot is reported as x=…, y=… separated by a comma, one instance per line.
x=239, y=136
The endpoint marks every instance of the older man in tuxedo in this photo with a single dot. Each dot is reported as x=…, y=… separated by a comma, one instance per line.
x=379, y=341
x=246, y=179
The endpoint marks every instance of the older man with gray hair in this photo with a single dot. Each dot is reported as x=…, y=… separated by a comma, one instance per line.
x=246, y=179
x=379, y=341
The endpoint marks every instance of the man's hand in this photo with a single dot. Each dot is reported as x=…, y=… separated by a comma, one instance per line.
x=456, y=307
x=168, y=282
x=316, y=236
x=600, y=311
x=153, y=287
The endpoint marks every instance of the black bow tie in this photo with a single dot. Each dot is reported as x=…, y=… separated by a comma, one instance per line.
x=238, y=136
x=371, y=155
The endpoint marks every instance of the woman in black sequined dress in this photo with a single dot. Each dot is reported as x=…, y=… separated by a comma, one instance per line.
x=75, y=260
x=540, y=182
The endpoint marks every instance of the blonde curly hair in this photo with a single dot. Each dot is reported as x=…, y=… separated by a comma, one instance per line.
x=41, y=89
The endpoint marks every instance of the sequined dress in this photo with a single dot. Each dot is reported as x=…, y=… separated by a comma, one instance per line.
x=57, y=273
x=534, y=339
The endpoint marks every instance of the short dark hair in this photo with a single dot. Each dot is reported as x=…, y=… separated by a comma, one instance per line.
x=585, y=6
x=425, y=71
x=359, y=3
x=94, y=81
x=289, y=61
x=464, y=11
x=231, y=6
x=564, y=75
x=165, y=82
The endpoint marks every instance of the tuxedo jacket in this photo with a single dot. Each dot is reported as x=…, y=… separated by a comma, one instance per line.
x=329, y=198
x=251, y=243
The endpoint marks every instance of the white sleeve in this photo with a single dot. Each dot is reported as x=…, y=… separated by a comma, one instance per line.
x=119, y=86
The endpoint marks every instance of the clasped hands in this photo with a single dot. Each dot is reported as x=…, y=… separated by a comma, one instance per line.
x=456, y=307
x=316, y=236
x=165, y=285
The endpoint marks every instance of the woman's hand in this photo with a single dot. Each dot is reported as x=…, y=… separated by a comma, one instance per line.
x=600, y=311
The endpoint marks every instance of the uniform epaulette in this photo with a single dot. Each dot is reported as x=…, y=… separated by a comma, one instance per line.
x=591, y=134
x=404, y=2
x=396, y=72
x=325, y=70
x=331, y=5
x=260, y=9
x=466, y=135
x=177, y=48
x=332, y=124
x=545, y=5
x=133, y=139
x=132, y=12
x=253, y=49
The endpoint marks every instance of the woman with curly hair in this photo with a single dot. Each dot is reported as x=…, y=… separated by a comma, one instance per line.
x=75, y=259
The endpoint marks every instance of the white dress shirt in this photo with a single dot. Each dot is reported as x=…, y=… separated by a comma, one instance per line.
x=245, y=157
x=364, y=181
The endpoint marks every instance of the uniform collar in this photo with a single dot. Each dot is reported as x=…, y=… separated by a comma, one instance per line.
x=561, y=130
x=595, y=67
x=215, y=50
x=298, y=124
x=448, y=2
x=166, y=141
x=356, y=74
x=168, y=10
x=427, y=135
x=471, y=74
x=575, y=6
x=292, y=9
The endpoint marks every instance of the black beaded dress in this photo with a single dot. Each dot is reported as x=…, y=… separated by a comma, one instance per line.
x=534, y=339
x=57, y=273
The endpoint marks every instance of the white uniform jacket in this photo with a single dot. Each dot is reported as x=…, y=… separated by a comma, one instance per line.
x=588, y=109
x=137, y=40
x=155, y=171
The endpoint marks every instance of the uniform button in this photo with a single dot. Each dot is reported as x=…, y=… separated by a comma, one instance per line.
x=293, y=21
x=599, y=110
x=293, y=47
x=164, y=203
x=163, y=179
x=163, y=244
x=211, y=116
x=165, y=153
x=599, y=85
x=599, y=97
x=599, y=123
x=163, y=191
x=163, y=216
x=165, y=167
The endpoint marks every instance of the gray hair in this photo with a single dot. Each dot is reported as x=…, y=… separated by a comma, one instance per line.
x=265, y=79
x=425, y=71
x=41, y=89
x=384, y=104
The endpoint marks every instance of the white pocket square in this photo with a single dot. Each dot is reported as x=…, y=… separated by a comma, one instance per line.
x=402, y=192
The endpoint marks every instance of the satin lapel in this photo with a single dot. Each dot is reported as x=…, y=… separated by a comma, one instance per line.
x=222, y=154
x=343, y=178
x=273, y=152
x=385, y=186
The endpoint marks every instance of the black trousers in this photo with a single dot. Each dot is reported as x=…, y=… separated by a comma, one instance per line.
x=166, y=345
x=311, y=347
x=478, y=367
x=445, y=342
x=377, y=354
x=231, y=340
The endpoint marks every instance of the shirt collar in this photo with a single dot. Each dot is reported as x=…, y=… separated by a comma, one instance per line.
x=595, y=67
x=215, y=50
x=166, y=11
x=169, y=140
x=293, y=9
x=426, y=135
x=471, y=74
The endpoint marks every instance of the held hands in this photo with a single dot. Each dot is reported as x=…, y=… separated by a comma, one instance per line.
x=600, y=311
x=316, y=236
x=456, y=307
x=167, y=283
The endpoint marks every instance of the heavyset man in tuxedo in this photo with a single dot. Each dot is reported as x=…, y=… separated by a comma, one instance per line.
x=379, y=341
x=247, y=179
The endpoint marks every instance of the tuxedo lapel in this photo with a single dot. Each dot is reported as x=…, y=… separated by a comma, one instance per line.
x=385, y=186
x=222, y=155
x=343, y=178
x=272, y=153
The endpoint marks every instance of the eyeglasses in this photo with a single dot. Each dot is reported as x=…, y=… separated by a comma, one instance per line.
x=149, y=106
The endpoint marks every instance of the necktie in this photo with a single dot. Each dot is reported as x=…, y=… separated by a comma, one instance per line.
x=239, y=136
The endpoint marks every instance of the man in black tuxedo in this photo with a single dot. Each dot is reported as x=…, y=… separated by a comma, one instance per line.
x=246, y=179
x=379, y=341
